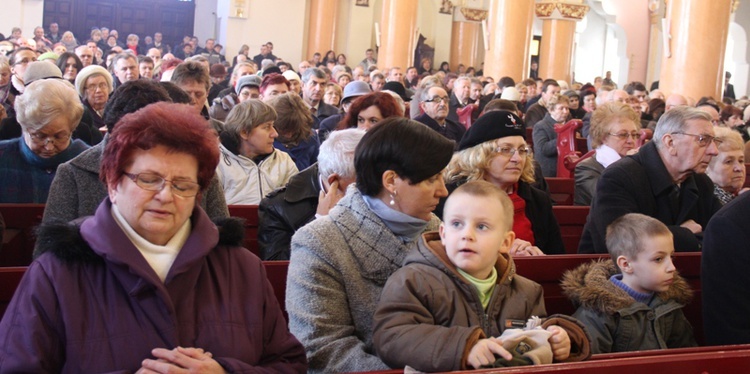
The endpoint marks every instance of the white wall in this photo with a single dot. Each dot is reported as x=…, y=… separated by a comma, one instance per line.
x=205, y=23
x=735, y=60
x=285, y=29
x=25, y=14
x=589, y=53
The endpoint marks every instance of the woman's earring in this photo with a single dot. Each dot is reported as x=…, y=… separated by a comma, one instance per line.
x=393, y=198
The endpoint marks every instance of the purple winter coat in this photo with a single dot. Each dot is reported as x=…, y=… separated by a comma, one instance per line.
x=90, y=303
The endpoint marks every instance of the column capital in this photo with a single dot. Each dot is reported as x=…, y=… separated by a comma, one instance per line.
x=470, y=14
x=561, y=10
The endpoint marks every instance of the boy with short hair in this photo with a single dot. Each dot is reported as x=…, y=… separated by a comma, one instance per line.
x=633, y=301
x=446, y=307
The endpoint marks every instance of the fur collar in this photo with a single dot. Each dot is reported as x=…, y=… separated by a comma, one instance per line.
x=64, y=240
x=589, y=286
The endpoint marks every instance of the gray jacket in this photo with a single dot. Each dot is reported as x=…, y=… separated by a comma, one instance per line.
x=587, y=174
x=77, y=191
x=338, y=267
x=545, y=145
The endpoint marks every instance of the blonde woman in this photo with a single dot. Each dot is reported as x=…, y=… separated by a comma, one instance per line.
x=614, y=133
x=727, y=169
x=494, y=149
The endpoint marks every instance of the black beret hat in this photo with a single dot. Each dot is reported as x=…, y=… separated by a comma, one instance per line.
x=493, y=125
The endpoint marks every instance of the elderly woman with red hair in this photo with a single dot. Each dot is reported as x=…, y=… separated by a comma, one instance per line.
x=135, y=287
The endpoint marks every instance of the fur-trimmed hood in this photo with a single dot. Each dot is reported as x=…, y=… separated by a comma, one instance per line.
x=64, y=239
x=589, y=286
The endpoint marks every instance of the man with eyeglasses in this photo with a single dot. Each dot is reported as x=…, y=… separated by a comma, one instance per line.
x=664, y=180
x=434, y=103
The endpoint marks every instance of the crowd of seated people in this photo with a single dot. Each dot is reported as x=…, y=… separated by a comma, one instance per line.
x=378, y=183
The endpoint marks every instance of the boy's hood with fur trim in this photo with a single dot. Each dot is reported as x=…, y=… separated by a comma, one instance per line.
x=589, y=286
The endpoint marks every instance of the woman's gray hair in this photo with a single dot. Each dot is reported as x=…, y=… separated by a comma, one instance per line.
x=246, y=116
x=555, y=100
x=45, y=100
x=337, y=153
x=675, y=120
x=731, y=140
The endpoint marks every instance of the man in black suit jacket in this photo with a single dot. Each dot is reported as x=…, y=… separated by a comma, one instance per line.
x=434, y=102
x=666, y=180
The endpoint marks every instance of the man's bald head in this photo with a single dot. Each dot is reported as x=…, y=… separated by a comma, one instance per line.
x=675, y=100
x=618, y=95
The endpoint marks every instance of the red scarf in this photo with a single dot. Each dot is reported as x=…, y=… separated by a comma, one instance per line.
x=521, y=223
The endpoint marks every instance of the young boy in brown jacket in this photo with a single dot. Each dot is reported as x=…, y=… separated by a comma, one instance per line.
x=456, y=294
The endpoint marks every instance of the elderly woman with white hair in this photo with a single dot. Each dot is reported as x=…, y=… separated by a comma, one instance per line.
x=48, y=113
x=727, y=169
x=308, y=195
x=94, y=85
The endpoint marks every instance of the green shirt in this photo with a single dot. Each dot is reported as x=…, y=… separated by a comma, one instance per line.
x=484, y=286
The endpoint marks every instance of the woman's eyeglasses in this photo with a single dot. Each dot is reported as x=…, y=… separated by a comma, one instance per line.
x=44, y=139
x=510, y=151
x=155, y=182
x=625, y=136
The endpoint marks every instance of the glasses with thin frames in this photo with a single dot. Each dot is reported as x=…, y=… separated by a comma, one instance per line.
x=155, y=182
x=510, y=151
x=703, y=139
x=437, y=100
x=94, y=87
x=625, y=135
x=44, y=139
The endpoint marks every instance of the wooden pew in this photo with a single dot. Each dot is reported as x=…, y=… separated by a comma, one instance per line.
x=276, y=272
x=571, y=220
x=9, y=279
x=720, y=359
x=20, y=223
x=561, y=190
x=250, y=214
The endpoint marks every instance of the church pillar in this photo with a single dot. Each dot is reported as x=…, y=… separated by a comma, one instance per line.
x=510, y=23
x=558, y=33
x=466, y=37
x=321, y=32
x=398, y=25
x=693, y=56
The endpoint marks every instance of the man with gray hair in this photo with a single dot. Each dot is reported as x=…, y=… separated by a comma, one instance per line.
x=313, y=87
x=308, y=195
x=664, y=180
x=460, y=96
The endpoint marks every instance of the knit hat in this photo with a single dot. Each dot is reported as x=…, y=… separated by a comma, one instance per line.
x=40, y=70
x=355, y=89
x=492, y=125
x=511, y=94
x=271, y=70
x=48, y=56
x=398, y=88
x=89, y=71
x=247, y=80
x=291, y=75
x=218, y=70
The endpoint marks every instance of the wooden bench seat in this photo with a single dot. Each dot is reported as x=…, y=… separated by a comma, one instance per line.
x=21, y=221
x=571, y=220
x=561, y=190
x=250, y=214
x=10, y=277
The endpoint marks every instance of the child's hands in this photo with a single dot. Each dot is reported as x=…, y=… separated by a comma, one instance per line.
x=559, y=341
x=483, y=353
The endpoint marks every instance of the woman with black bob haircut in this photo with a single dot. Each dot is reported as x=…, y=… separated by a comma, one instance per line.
x=340, y=263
